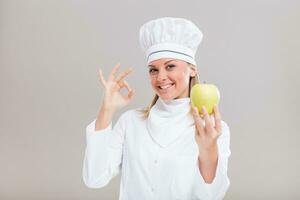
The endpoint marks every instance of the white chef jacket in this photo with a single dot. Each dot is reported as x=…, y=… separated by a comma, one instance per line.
x=157, y=157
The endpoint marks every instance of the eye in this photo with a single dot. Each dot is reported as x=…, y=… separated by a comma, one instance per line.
x=170, y=66
x=152, y=71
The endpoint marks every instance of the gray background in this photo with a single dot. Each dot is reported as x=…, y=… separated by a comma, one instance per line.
x=50, y=52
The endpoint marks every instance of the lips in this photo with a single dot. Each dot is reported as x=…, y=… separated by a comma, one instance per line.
x=165, y=86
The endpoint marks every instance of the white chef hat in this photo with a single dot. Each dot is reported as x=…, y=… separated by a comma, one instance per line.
x=170, y=37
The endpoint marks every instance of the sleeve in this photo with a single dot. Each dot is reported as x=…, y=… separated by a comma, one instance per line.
x=218, y=188
x=103, y=153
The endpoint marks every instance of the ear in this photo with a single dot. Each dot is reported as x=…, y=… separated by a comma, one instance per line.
x=193, y=70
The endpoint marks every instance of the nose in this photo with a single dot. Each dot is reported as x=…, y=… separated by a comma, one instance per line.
x=162, y=75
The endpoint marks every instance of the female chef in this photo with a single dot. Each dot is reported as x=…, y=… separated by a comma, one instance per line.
x=165, y=151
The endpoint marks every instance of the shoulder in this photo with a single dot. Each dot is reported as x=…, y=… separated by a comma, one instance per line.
x=129, y=117
x=133, y=113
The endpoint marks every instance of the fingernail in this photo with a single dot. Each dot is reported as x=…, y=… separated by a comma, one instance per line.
x=193, y=109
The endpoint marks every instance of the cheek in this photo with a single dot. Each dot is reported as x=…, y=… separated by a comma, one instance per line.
x=152, y=81
x=182, y=79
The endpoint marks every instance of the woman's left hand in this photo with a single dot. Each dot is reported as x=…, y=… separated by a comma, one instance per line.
x=206, y=135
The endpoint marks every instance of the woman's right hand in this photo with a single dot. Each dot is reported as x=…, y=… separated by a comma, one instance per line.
x=113, y=99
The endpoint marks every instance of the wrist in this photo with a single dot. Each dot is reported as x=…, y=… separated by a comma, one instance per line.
x=208, y=148
x=210, y=152
x=104, y=118
x=107, y=108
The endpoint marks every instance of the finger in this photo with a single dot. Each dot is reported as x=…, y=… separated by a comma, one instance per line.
x=101, y=77
x=198, y=120
x=212, y=119
x=126, y=84
x=122, y=85
x=131, y=91
x=208, y=123
x=123, y=75
x=130, y=94
x=217, y=117
x=113, y=71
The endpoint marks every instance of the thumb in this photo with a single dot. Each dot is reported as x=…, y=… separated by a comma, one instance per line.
x=130, y=94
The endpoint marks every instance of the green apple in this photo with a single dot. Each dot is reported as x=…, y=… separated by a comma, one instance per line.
x=203, y=94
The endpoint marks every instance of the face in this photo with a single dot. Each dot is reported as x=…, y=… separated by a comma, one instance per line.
x=170, y=77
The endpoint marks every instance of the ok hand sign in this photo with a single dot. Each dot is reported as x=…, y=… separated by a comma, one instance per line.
x=113, y=99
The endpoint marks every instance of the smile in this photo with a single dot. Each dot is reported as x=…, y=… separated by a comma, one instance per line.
x=165, y=87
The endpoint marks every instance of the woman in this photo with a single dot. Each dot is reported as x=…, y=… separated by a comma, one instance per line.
x=166, y=151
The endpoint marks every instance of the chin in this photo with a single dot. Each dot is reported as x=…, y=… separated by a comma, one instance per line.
x=167, y=98
x=171, y=96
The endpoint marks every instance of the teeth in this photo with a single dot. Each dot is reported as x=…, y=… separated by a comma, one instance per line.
x=165, y=86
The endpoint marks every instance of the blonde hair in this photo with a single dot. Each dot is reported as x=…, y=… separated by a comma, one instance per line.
x=145, y=111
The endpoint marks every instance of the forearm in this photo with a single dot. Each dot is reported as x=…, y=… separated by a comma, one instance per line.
x=208, y=161
x=98, y=167
x=104, y=118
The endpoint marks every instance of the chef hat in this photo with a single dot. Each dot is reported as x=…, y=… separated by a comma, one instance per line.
x=169, y=37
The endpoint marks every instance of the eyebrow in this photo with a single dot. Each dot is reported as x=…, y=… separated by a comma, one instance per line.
x=164, y=63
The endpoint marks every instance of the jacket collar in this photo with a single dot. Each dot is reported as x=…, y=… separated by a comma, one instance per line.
x=168, y=120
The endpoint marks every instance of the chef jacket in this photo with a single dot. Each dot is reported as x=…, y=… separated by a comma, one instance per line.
x=157, y=156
